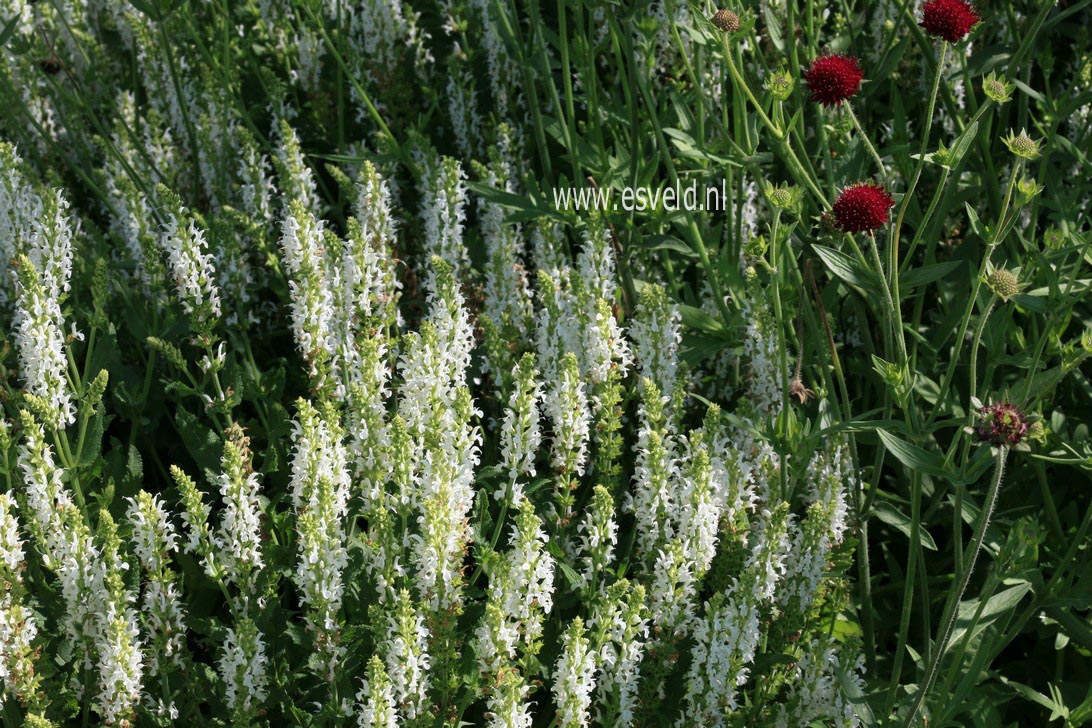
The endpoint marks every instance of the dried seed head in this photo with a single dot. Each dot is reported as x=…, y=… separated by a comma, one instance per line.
x=1004, y=283
x=726, y=20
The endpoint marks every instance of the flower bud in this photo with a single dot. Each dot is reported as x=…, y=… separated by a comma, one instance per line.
x=997, y=89
x=1004, y=283
x=1022, y=145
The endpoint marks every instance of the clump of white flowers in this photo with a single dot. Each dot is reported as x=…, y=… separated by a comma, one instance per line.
x=189, y=262
x=320, y=493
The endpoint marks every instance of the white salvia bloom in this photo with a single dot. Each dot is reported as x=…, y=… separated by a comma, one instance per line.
x=239, y=538
x=520, y=592
x=366, y=423
x=18, y=627
x=507, y=705
x=566, y=404
x=368, y=263
x=153, y=539
x=655, y=502
x=444, y=499
x=622, y=624
x=598, y=536
x=813, y=539
x=40, y=340
x=376, y=698
x=699, y=516
x=507, y=293
x=816, y=694
x=383, y=28
x=320, y=493
x=605, y=346
x=557, y=323
x=190, y=262
x=303, y=242
x=35, y=233
x=520, y=435
x=657, y=334
x=725, y=641
x=243, y=669
x=254, y=172
x=46, y=495
x=574, y=677
x=117, y=636
x=462, y=110
x=443, y=211
x=547, y=246
x=297, y=181
x=406, y=658
x=769, y=551
x=764, y=380
x=503, y=76
x=674, y=586
x=595, y=267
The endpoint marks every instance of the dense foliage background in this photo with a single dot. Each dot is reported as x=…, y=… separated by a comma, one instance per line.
x=318, y=408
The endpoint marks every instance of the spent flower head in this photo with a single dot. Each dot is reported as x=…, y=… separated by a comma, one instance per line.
x=833, y=79
x=1001, y=424
x=949, y=20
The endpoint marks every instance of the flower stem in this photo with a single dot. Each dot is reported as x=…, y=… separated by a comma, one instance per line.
x=951, y=608
x=867, y=142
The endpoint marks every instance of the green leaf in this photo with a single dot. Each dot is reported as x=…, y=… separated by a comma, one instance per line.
x=849, y=270
x=926, y=274
x=695, y=318
x=915, y=457
x=898, y=520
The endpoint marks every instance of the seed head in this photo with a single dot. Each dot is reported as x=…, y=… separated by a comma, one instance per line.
x=1004, y=283
x=948, y=20
x=997, y=89
x=726, y=20
x=862, y=207
x=1001, y=424
x=1022, y=145
x=833, y=79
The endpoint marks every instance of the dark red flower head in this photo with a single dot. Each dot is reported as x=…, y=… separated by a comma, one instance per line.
x=948, y=19
x=833, y=79
x=1000, y=424
x=863, y=206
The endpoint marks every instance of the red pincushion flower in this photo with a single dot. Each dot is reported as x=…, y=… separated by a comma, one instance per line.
x=948, y=19
x=863, y=206
x=833, y=79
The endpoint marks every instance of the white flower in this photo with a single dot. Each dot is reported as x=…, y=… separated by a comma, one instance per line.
x=574, y=677
x=243, y=669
